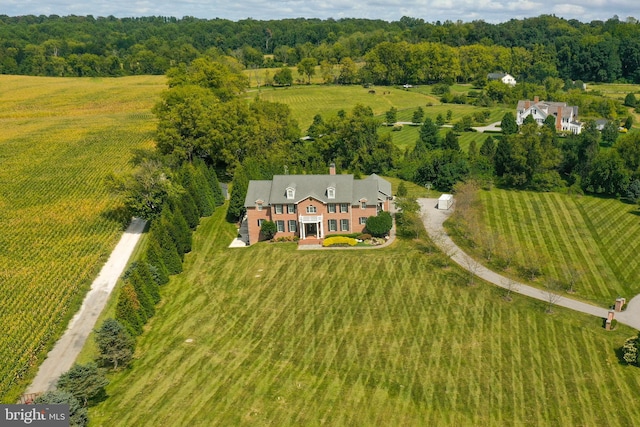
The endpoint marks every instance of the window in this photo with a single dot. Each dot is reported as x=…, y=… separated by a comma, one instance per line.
x=344, y=225
x=311, y=209
x=344, y=207
x=291, y=193
x=291, y=209
x=363, y=220
x=331, y=208
x=333, y=225
x=331, y=193
x=278, y=209
x=280, y=225
x=259, y=207
x=293, y=225
x=260, y=221
x=363, y=205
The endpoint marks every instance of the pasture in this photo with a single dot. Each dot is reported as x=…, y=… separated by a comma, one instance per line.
x=58, y=223
x=598, y=237
x=269, y=335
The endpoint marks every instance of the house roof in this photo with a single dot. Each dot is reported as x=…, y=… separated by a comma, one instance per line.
x=347, y=189
x=547, y=108
x=496, y=76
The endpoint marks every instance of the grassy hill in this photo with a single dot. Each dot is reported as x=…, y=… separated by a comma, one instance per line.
x=59, y=138
x=598, y=237
x=269, y=335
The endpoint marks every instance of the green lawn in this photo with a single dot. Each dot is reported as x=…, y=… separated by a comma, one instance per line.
x=380, y=337
x=598, y=236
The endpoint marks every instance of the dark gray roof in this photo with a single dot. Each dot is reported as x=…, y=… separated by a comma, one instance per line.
x=347, y=189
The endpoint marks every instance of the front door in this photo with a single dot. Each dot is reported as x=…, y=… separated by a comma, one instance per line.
x=311, y=230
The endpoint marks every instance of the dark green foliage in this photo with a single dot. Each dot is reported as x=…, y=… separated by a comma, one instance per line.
x=610, y=133
x=85, y=382
x=418, y=115
x=391, y=116
x=214, y=184
x=168, y=252
x=528, y=120
x=428, y=139
x=488, y=148
x=379, y=225
x=239, y=188
x=149, y=279
x=78, y=416
x=633, y=191
x=451, y=141
x=188, y=208
x=508, y=124
x=268, y=229
x=630, y=100
x=608, y=174
x=129, y=311
x=153, y=257
x=195, y=182
x=142, y=292
x=442, y=168
x=628, y=122
x=283, y=77
x=115, y=344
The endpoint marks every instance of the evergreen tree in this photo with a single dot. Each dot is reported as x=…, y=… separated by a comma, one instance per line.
x=418, y=115
x=508, y=124
x=115, y=344
x=428, y=139
x=214, y=184
x=142, y=292
x=84, y=382
x=238, y=194
x=188, y=208
x=128, y=310
x=488, y=148
x=78, y=416
x=150, y=280
x=451, y=141
x=168, y=252
x=502, y=157
x=153, y=258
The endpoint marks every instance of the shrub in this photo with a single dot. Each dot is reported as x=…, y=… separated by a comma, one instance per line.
x=379, y=225
x=339, y=241
x=364, y=236
x=268, y=229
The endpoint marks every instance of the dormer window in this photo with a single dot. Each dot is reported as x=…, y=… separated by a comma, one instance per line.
x=259, y=205
x=291, y=193
x=331, y=192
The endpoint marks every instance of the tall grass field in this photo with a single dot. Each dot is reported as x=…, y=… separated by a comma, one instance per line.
x=59, y=138
x=269, y=335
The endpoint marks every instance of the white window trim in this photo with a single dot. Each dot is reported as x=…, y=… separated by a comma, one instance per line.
x=291, y=193
x=278, y=209
x=291, y=209
x=331, y=207
x=335, y=225
x=346, y=207
x=344, y=221
x=311, y=209
x=331, y=192
x=278, y=224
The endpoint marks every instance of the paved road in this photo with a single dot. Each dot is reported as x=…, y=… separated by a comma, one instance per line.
x=433, y=220
x=66, y=350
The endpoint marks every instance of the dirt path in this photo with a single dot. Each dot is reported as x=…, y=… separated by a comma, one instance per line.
x=433, y=222
x=66, y=350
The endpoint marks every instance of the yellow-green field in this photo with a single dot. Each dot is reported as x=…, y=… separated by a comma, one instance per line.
x=59, y=138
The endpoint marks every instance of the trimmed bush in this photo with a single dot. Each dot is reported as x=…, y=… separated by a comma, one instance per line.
x=339, y=241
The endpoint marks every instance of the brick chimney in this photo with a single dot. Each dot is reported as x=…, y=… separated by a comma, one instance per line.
x=332, y=169
x=536, y=99
x=559, y=119
x=527, y=104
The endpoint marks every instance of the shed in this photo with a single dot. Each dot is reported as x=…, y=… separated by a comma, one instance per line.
x=445, y=201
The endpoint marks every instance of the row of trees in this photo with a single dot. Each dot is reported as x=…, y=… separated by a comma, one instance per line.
x=530, y=49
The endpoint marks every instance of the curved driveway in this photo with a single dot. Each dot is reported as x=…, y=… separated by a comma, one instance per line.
x=433, y=221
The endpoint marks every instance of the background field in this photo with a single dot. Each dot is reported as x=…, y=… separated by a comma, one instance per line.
x=598, y=236
x=59, y=138
x=383, y=337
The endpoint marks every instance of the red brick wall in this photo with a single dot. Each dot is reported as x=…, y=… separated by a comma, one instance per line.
x=253, y=215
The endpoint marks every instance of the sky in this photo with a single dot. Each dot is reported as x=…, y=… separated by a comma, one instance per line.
x=492, y=11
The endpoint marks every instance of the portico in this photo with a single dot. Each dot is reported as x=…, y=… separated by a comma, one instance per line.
x=311, y=224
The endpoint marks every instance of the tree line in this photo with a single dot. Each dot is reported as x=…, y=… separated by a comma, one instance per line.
x=408, y=50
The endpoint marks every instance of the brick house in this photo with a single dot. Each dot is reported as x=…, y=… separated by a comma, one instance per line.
x=565, y=116
x=315, y=206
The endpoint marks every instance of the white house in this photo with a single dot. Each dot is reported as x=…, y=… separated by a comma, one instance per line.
x=565, y=116
x=505, y=78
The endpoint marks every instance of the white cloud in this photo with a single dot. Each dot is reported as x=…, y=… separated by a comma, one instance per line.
x=430, y=10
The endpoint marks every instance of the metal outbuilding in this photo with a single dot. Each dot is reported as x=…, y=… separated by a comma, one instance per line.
x=445, y=201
